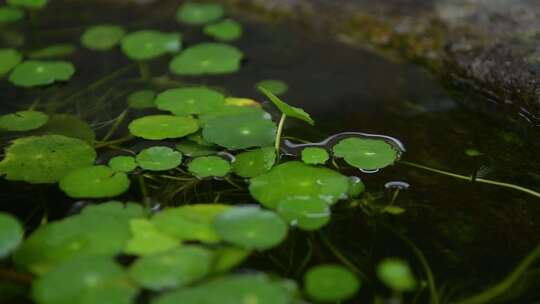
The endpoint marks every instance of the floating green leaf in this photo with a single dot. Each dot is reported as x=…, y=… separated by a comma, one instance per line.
x=287, y=109
x=190, y=223
x=102, y=37
x=35, y=73
x=199, y=13
x=91, y=280
x=193, y=149
x=305, y=212
x=45, y=159
x=396, y=274
x=11, y=234
x=70, y=126
x=30, y=4
x=123, y=163
x=208, y=166
x=366, y=154
x=226, y=258
x=159, y=158
x=174, y=268
x=274, y=86
x=330, y=283
x=146, y=239
x=314, y=155
x=148, y=44
x=99, y=230
x=10, y=14
x=232, y=289
x=207, y=58
x=23, y=120
x=293, y=179
x=142, y=99
x=94, y=182
x=230, y=110
x=254, y=163
x=157, y=127
x=53, y=51
x=225, y=30
x=187, y=101
x=9, y=58
x=251, y=227
x=241, y=131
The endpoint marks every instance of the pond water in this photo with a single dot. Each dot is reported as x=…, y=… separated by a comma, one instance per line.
x=471, y=234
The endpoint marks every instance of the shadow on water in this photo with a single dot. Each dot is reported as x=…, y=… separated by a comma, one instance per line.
x=472, y=234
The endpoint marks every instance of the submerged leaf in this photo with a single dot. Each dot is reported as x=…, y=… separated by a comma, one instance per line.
x=102, y=37
x=296, y=179
x=23, y=120
x=287, y=109
x=190, y=223
x=274, y=86
x=94, y=182
x=254, y=163
x=30, y=4
x=148, y=44
x=193, y=149
x=366, y=154
x=90, y=279
x=225, y=30
x=35, y=73
x=53, y=51
x=9, y=58
x=159, y=158
x=240, y=131
x=10, y=14
x=45, y=159
x=157, y=127
x=187, y=101
x=396, y=274
x=207, y=58
x=142, y=99
x=199, y=13
x=171, y=269
x=307, y=213
x=251, y=227
x=70, y=126
x=330, y=283
x=11, y=234
x=208, y=166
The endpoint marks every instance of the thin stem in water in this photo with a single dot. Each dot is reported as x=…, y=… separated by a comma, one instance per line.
x=116, y=124
x=473, y=179
x=278, y=135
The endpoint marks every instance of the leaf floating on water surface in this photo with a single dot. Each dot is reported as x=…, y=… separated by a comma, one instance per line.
x=45, y=159
x=193, y=149
x=330, y=283
x=225, y=30
x=240, y=131
x=23, y=121
x=208, y=166
x=102, y=37
x=158, y=127
x=69, y=126
x=173, y=268
x=315, y=156
x=306, y=213
x=94, y=182
x=11, y=234
x=30, y=4
x=207, y=58
x=199, y=13
x=87, y=279
x=147, y=240
x=148, y=44
x=9, y=58
x=187, y=101
x=251, y=227
x=287, y=109
x=122, y=163
x=293, y=179
x=159, y=158
x=254, y=163
x=33, y=73
x=366, y=154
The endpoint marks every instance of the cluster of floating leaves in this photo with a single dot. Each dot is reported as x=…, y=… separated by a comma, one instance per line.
x=189, y=253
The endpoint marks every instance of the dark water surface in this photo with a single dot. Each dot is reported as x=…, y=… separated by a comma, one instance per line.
x=471, y=234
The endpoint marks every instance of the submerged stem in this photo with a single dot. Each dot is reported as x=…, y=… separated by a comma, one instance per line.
x=278, y=135
x=343, y=259
x=116, y=124
x=472, y=179
x=144, y=70
x=496, y=291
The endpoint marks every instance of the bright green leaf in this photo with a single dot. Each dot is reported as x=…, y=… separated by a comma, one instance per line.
x=187, y=101
x=23, y=120
x=366, y=154
x=330, y=283
x=287, y=109
x=207, y=58
x=199, y=13
x=11, y=234
x=142, y=99
x=159, y=158
x=102, y=37
x=225, y=30
x=208, y=166
x=396, y=274
x=158, y=127
x=148, y=44
x=274, y=86
x=122, y=163
x=306, y=213
x=146, y=239
x=36, y=73
x=94, y=182
x=314, y=156
x=254, y=163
